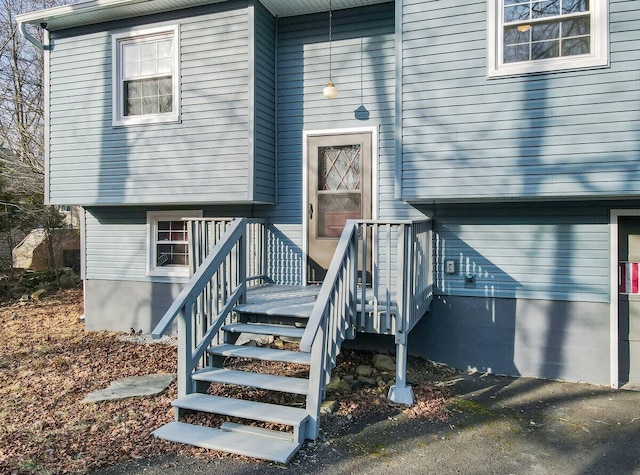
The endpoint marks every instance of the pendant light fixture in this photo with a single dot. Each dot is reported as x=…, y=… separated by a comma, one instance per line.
x=330, y=91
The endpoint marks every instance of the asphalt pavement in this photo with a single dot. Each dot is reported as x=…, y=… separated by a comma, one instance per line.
x=498, y=425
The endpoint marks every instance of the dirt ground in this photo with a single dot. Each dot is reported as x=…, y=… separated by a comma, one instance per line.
x=49, y=364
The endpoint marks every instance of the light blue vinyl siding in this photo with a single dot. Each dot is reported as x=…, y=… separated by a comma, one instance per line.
x=116, y=240
x=206, y=158
x=363, y=69
x=116, y=244
x=551, y=251
x=465, y=137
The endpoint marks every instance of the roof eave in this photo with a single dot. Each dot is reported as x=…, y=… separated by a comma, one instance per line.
x=69, y=16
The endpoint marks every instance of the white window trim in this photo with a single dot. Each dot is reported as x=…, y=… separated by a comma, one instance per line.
x=118, y=118
x=152, y=219
x=599, y=56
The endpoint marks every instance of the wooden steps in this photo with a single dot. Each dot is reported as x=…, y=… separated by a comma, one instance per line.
x=260, y=329
x=253, y=380
x=259, y=411
x=235, y=442
x=238, y=438
x=259, y=353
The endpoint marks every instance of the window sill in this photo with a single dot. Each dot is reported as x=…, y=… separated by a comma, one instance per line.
x=175, y=276
x=150, y=119
x=547, y=66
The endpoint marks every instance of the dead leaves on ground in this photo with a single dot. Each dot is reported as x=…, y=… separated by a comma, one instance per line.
x=48, y=363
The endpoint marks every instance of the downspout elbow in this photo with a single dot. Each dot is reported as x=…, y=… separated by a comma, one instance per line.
x=32, y=39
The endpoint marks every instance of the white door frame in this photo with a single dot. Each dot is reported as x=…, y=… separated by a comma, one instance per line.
x=305, y=182
x=613, y=289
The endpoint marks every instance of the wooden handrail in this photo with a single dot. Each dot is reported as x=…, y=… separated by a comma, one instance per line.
x=341, y=297
x=348, y=236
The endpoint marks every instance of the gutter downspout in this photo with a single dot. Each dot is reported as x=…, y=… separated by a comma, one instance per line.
x=32, y=39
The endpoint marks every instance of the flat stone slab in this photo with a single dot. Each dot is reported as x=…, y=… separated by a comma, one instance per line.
x=134, y=386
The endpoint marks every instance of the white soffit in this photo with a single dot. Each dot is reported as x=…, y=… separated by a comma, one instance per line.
x=99, y=11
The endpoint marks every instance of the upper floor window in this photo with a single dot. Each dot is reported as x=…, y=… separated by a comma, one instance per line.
x=528, y=36
x=145, y=76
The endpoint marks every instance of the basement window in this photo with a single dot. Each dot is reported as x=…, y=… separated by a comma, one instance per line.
x=145, y=76
x=168, y=242
x=529, y=36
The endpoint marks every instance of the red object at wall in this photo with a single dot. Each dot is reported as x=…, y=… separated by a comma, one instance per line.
x=628, y=278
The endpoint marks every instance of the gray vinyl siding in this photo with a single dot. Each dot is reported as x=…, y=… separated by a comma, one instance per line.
x=465, y=137
x=264, y=104
x=204, y=158
x=551, y=251
x=116, y=244
x=116, y=240
x=363, y=69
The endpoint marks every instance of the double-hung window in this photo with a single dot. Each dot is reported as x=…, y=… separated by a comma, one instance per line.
x=527, y=36
x=145, y=76
x=168, y=242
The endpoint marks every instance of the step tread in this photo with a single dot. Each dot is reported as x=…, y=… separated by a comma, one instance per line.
x=258, y=411
x=234, y=427
x=254, y=380
x=302, y=310
x=260, y=353
x=263, y=329
x=250, y=445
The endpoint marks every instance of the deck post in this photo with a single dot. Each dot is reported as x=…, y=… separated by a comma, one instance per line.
x=400, y=392
x=317, y=382
x=185, y=343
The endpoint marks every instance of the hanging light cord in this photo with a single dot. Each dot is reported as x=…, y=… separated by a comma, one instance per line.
x=330, y=27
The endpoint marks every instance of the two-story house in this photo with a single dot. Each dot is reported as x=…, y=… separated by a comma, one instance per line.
x=512, y=126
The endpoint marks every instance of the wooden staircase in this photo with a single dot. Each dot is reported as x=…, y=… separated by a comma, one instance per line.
x=228, y=296
x=277, y=311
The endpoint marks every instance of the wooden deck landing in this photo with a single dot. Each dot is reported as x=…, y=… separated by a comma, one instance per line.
x=282, y=300
x=290, y=300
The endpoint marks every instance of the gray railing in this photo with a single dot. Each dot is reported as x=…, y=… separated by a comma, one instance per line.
x=380, y=275
x=205, y=233
x=396, y=275
x=218, y=284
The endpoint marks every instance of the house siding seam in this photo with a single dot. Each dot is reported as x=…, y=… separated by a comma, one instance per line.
x=264, y=105
x=570, y=134
x=202, y=159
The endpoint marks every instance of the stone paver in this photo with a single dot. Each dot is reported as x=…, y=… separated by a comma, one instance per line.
x=134, y=386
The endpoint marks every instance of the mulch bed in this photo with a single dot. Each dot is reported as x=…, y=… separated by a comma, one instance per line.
x=48, y=364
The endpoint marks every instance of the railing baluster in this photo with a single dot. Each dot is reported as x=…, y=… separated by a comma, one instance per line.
x=363, y=279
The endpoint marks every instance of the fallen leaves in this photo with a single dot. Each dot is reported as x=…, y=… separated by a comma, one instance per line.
x=49, y=363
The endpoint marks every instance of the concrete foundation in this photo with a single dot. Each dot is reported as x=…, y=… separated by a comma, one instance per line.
x=518, y=337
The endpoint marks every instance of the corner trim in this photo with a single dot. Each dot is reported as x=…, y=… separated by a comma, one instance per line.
x=615, y=214
x=397, y=188
x=251, y=101
x=47, y=117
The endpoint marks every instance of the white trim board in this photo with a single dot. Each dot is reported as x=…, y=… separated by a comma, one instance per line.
x=305, y=188
x=613, y=290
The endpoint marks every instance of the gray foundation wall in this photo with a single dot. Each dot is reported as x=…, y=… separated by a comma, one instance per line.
x=519, y=337
x=123, y=305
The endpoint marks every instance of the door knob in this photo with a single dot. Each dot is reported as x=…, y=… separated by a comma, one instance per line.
x=310, y=211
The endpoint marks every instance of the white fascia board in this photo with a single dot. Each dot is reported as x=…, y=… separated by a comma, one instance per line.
x=100, y=11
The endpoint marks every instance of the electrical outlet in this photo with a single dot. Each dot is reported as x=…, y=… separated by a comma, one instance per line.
x=450, y=266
